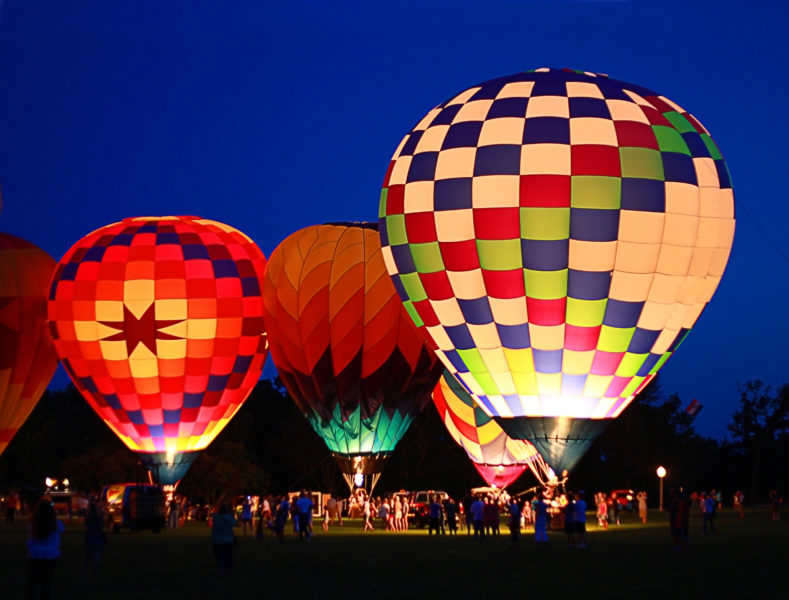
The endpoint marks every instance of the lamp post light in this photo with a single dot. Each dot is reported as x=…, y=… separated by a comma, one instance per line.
x=661, y=473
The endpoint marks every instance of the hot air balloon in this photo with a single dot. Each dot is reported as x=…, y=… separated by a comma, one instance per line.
x=344, y=347
x=556, y=234
x=159, y=323
x=27, y=357
x=498, y=458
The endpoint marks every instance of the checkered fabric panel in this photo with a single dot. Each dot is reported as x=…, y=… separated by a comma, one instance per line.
x=159, y=323
x=556, y=233
x=27, y=357
x=345, y=349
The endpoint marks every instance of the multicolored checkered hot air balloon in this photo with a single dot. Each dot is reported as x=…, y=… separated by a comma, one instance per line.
x=345, y=348
x=159, y=323
x=498, y=458
x=556, y=234
x=27, y=357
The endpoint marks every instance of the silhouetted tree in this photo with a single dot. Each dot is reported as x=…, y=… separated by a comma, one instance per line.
x=221, y=472
x=759, y=428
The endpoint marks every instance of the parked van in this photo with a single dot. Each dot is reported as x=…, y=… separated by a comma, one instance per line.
x=134, y=506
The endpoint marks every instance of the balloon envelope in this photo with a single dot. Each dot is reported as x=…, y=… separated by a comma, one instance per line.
x=556, y=234
x=159, y=323
x=344, y=347
x=27, y=356
x=498, y=458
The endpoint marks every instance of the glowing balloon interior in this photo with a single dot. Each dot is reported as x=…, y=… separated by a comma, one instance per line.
x=27, y=356
x=556, y=234
x=498, y=458
x=345, y=349
x=159, y=323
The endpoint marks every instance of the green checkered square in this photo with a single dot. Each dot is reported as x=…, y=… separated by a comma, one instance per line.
x=585, y=313
x=642, y=163
x=499, y=255
x=545, y=285
x=670, y=140
x=395, y=229
x=545, y=223
x=427, y=257
x=679, y=122
x=630, y=364
x=382, y=203
x=615, y=339
x=413, y=286
x=591, y=191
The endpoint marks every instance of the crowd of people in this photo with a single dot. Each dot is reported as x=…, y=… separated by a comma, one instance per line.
x=479, y=514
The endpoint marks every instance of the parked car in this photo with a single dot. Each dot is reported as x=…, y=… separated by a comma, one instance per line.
x=134, y=506
x=418, y=503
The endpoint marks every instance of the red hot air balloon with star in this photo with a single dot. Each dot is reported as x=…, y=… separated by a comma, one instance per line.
x=159, y=323
x=27, y=357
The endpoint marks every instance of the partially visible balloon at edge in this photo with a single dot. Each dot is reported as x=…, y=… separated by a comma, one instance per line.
x=27, y=356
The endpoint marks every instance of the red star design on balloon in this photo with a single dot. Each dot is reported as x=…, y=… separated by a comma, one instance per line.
x=145, y=330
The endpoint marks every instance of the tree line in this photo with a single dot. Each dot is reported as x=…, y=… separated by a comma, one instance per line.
x=270, y=446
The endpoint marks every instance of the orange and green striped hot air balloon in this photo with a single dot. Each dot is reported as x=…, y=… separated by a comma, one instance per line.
x=346, y=350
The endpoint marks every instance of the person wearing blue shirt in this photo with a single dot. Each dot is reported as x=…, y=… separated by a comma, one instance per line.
x=43, y=549
x=304, y=505
x=434, y=516
x=223, y=538
x=579, y=517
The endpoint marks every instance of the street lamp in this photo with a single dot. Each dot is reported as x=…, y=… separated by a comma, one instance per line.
x=661, y=473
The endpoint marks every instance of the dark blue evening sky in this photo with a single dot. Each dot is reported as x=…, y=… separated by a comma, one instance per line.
x=272, y=116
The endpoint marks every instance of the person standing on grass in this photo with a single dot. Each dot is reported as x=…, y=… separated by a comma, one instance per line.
x=569, y=520
x=223, y=539
x=434, y=516
x=602, y=514
x=305, y=505
x=739, y=501
x=383, y=513
x=679, y=517
x=709, y=506
x=398, y=513
x=94, y=537
x=367, y=513
x=326, y=517
x=540, y=510
x=613, y=508
x=281, y=519
x=579, y=517
x=172, y=514
x=246, y=516
x=43, y=549
x=477, y=516
x=452, y=516
x=514, y=510
x=641, y=497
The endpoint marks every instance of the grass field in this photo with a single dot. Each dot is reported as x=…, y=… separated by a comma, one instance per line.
x=745, y=559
